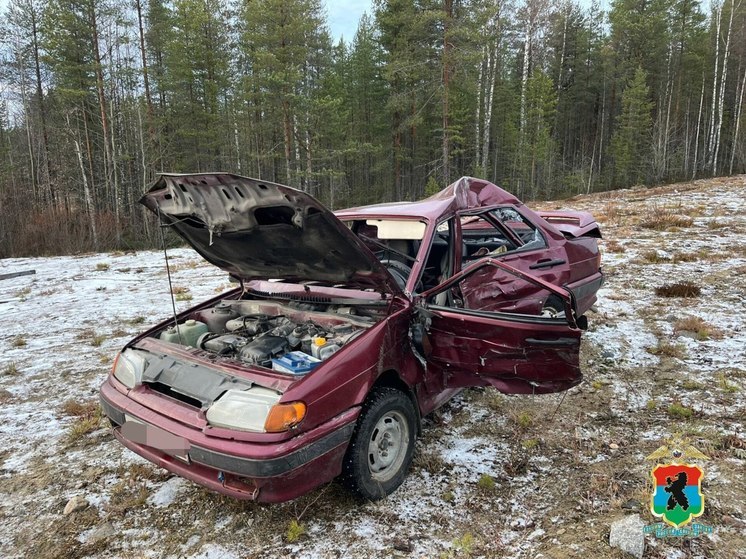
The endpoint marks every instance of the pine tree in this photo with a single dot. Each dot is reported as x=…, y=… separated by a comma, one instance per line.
x=631, y=141
x=277, y=40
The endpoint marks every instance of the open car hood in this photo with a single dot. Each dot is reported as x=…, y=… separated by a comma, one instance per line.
x=255, y=229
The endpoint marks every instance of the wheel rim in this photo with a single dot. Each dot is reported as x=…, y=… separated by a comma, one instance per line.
x=388, y=445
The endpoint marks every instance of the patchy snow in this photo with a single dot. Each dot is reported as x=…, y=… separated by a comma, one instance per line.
x=167, y=493
x=62, y=327
x=212, y=551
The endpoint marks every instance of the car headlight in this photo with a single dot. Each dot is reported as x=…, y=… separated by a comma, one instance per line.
x=256, y=409
x=129, y=367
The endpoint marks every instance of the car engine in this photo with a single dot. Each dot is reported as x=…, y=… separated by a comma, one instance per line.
x=288, y=337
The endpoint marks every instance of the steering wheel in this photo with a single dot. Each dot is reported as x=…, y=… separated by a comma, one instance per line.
x=400, y=272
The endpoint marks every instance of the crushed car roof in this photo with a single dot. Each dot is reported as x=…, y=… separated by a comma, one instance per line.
x=465, y=193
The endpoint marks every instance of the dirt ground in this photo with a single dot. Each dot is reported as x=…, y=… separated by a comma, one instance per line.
x=494, y=475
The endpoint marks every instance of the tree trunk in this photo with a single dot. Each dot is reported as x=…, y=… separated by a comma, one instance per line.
x=562, y=52
x=696, y=134
x=448, y=16
x=50, y=179
x=87, y=198
x=493, y=68
x=309, y=163
x=145, y=77
x=397, y=156
x=739, y=108
x=27, y=124
x=481, y=91
x=288, y=134
x=101, y=97
x=238, y=145
x=524, y=77
x=711, y=135
x=721, y=97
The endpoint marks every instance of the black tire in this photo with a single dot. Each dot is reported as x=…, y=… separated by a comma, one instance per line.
x=370, y=468
x=554, y=307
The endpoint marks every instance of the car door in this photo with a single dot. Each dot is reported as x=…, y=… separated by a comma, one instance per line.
x=507, y=235
x=518, y=352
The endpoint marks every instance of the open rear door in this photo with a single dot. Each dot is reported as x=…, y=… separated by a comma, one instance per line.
x=519, y=349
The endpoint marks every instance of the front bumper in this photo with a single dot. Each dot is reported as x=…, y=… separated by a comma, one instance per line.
x=272, y=472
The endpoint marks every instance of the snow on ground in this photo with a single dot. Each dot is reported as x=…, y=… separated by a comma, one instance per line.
x=494, y=476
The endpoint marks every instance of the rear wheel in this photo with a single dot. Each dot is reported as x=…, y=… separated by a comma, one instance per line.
x=382, y=446
x=553, y=308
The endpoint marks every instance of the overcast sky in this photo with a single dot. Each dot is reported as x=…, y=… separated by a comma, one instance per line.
x=343, y=17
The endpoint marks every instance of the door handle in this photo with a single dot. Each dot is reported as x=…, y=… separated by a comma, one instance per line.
x=546, y=264
x=557, y=342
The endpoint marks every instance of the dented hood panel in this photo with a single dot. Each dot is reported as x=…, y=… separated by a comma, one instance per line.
x=260, y=230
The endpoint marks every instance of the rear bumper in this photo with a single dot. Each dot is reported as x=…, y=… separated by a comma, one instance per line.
x=272, y=472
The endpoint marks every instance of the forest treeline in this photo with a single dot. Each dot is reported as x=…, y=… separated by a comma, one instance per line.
x=546, y=99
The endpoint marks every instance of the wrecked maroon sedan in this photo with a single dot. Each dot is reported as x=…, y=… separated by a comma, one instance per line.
x=345, y=330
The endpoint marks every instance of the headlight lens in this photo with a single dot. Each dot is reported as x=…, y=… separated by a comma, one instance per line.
x=255, y=409
x=129, y=366
x=244, y=410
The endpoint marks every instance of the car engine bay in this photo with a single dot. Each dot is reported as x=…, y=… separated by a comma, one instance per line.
x=290, y=337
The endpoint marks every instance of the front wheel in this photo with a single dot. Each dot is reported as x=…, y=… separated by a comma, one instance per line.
x=382, y=446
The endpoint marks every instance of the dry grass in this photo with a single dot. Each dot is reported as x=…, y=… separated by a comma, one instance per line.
x=714, y=225
x=127, y=495
x=188, y=265
x=611, y=214
x=660, y=218
x=80, y=409
x=522, y=419
x=79, y=430
x=654, y=257
x=182, y=293
x=143, y=472
x=102, y=267
x=689, y=384
x=698, y=326
x=22, y=293
x=614, y=246
x=88, y=419
x=18, y=341
x=429, y=461
x=486, y=483
x=685, y=289
x=666, y=349
x=725, y=385
x=91, y=336
x=11, y=369
x=686, y=257
x=679, y=411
